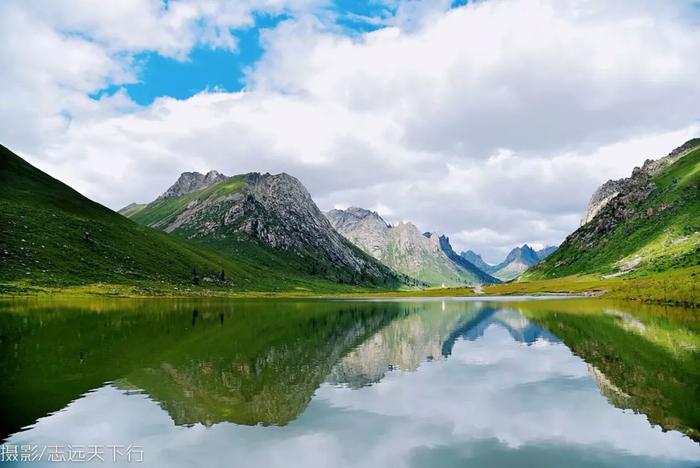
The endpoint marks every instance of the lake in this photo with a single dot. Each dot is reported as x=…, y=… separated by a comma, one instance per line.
x=321, y=383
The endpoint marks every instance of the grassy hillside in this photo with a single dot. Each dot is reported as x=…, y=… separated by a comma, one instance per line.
x=653, y=228
x=647, y=355
x=277, y=225
x=203, y=361
x=44, y=243
x=164, y=212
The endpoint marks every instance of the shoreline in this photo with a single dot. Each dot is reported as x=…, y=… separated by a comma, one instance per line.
x=678, y=287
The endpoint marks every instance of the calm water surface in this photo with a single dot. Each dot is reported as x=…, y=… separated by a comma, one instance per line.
x=358, y=384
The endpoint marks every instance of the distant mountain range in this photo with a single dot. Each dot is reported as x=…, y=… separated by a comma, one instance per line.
x=427, y=257
x=646, y=223
x=264, y=232
x=515, y=264
x=249, y=232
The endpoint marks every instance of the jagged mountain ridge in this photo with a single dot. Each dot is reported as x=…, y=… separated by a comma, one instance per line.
x=546, y=252
x=651, y=224
x=427, y=257
x=518, y=260
x=462, y=262
x=56, y=237
x=476, y=260
x=189, y=182
x=274, y=212
x=516, y=263
x=610, y=189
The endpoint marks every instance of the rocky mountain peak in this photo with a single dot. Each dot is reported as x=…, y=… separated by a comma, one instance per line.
x=273, y=210
x=426, y=256
x=656, y=206
x=189, y=182
x=546, y=252
x=350, y=218
x=516, y=262
x=638, y=180
x=524, y=253
x=476, y=260
x=280, y=189
x=445, y=245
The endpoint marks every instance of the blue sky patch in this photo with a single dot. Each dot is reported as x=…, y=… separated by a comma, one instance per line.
x=209, y=69
x=204, y=69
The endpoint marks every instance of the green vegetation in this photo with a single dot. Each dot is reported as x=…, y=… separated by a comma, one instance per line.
x=677, y=287
x=204, y=361
x=55, y=238
x=231, y=200
x=640, y=235
x=648, y=353
x=260, y=361
x=166, y=211
x=132, y=209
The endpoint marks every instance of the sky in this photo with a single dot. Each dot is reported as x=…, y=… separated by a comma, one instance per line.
x=507, y=392
x=490, y=121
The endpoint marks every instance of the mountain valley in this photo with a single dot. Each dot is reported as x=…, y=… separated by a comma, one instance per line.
x=427, y=257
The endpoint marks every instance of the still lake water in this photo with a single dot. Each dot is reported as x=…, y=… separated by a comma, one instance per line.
x=359, y=384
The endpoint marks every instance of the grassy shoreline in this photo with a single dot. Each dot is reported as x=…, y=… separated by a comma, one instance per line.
x=679, y=287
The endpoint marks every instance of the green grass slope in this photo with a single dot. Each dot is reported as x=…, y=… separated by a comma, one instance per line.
x=204, y=360
x=215, y=227
x=646, y=355
x=651, y=229
x=161, y=213
x=42, y=243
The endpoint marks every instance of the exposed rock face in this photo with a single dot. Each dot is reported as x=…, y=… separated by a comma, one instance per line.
x=516, y=262
x=638, y=179
x=424, y=256
x=476, y=260
x=601, y=197
x=432, y=335
x=525, y=254
x=275, y=210
x=608, y=389
x=364, y=228
x=189, y=182
x=650, y=223
x=546, y=252
x=409, y=251
x=621, y=195
x=463, y=262
x=425, y=330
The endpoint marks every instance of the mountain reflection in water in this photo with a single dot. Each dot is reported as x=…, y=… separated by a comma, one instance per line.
x=438, y=383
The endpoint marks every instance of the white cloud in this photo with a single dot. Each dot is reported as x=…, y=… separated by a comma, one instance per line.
x=498, y=117
x=493, y=397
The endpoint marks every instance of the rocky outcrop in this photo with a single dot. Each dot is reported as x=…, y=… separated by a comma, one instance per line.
x=615, y=201
x=643, y=222
x=425, y=329
x=425, y=256
x=364, y=228
x=279, y=211
x=638, y=181
x=601, y=197
x=476, y=260
x=546, y=252
x=463, y=262
x=275, y=210
x=516, y=263
x=518, y=260
x=189, y=182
